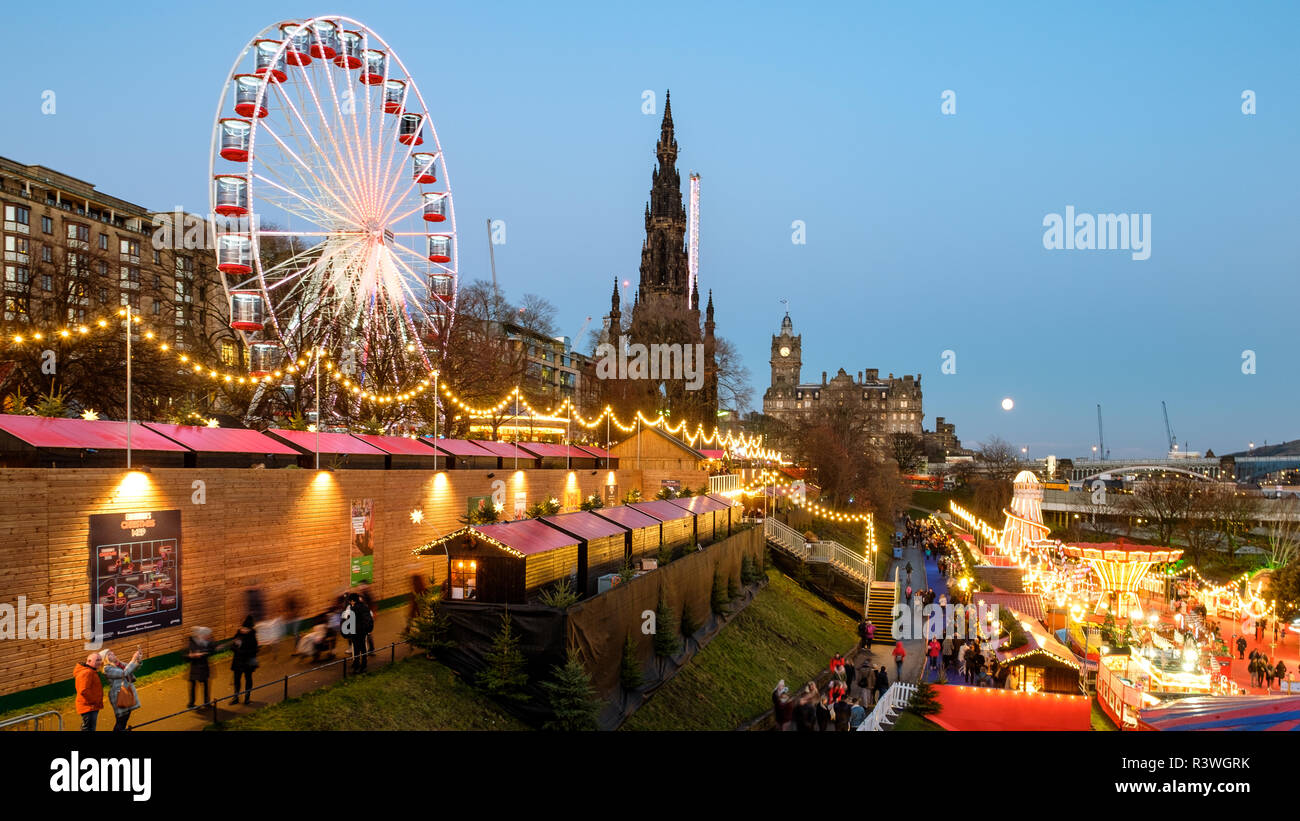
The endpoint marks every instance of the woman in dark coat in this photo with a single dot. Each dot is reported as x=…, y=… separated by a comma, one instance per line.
x=245, y=659
x=200, y=648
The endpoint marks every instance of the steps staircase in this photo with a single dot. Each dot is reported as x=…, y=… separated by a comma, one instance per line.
x=880, y=609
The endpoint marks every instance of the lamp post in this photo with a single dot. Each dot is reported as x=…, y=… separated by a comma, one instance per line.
x=316, y=352
x=435, y=423
x=128, y=385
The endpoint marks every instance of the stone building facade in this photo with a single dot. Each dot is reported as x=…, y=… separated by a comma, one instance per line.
x=887, y=406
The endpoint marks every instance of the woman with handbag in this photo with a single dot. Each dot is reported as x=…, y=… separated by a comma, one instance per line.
x=122, y=693
x=244, y=662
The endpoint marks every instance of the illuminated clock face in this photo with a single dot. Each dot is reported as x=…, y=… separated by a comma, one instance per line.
x=785, y=351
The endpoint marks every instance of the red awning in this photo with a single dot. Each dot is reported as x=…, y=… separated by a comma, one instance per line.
x=396, y=445
x=339, y=443
x=713, y=454
x=661, y=509
x=506, y=450
x=599, y=453
x=626, y=516
x=699, y=504
x=202, y=439
x=41, y=432
x=584, y=525
x=457, y=447
x=528, y=536
x=993, y=708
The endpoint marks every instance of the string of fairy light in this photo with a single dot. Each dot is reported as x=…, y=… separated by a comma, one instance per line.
x=743, y=445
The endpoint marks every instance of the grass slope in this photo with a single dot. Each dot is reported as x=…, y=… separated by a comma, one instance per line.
x=414, y=694
x=785, y=633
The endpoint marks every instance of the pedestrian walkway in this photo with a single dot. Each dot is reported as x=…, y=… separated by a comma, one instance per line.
x=915, y=648
x=170, y=695
x=1286, y=650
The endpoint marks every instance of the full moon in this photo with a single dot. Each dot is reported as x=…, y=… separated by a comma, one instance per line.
x=1007, y=404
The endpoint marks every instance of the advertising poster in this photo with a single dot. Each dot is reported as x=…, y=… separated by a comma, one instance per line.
x=611, y=495
x=476, y=504
x=521, y=504
x=363, y=542
x=135, y=570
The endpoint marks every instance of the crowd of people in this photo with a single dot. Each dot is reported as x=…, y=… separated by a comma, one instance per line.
x=834, y=707
x=351, y=616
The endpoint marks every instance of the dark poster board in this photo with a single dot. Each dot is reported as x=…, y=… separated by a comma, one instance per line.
x=135, y=571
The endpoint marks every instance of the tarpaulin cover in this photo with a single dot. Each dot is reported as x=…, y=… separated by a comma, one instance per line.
x=504, y=449
x=626, y=516
x=528, y=536
x=599, y=626
x=396, y=445
x=457, y=447
x=1224, y=713
x=661, y=509
x=341, y=443
x=540, y=631
x=699, y=504
x=202, y=439
x=584, y=525
x=42, y=432
x=993, y=708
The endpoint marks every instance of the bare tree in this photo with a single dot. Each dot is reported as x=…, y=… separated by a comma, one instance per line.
x=536, y=314
x=1162, y=503
x=907, y=450
x=734, y=390
x=1283, y=536
x=998, y=457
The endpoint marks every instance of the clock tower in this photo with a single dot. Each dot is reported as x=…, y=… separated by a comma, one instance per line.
x=786, y=362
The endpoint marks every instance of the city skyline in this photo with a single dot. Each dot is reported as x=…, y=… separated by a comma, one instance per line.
x=925, y=231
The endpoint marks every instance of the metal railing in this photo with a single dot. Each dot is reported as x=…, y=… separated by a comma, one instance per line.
x=283, y=682
x=37, y=720
x=724, y=483
x=785, y=536
x=840, y=556
x=893, y=702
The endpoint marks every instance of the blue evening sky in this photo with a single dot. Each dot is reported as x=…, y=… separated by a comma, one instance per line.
x=924, y=231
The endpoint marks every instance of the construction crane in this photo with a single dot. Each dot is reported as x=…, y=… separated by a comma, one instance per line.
x=1101, y=441
x=1169, y=432
x=496, y=294
x=577, y=340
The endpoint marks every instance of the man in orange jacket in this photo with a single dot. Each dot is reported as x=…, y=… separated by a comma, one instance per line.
x=90, y=691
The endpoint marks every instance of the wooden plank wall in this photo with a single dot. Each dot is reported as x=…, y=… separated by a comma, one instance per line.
x=280, y=530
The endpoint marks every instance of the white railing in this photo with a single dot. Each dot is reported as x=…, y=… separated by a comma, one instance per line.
x=840, y=556
x=893, y=702
x=724, y=483
x=786, y=536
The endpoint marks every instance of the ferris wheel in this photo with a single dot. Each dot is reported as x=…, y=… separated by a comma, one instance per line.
x=335, y=225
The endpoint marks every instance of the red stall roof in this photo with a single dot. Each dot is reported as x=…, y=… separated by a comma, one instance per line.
x=700, y=504
x=599, y=453
x=41, y=432
x=457, y=447
x=504, y=449
x=626, y=516
x=712, y=454
x=203, y=439
x=557, y=451
x=661, y=509
x=396, y=445
x=341, y=443
x=993, y=708
x=527, y=536
x=584, y=525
